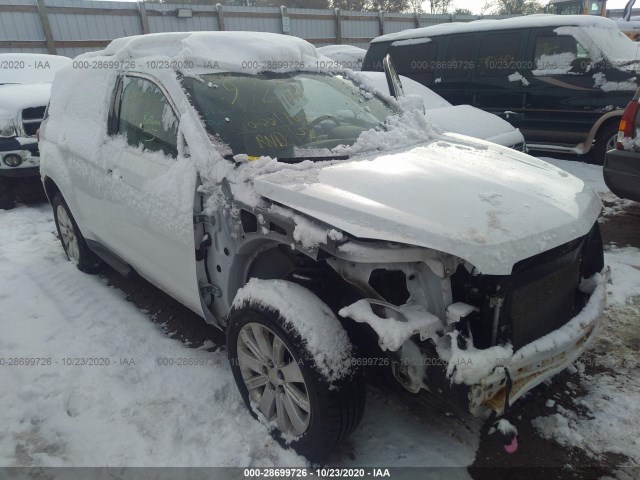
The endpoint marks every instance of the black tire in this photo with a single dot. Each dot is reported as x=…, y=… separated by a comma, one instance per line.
x=336, y=407
x=7, y=198
x=86, y=260
x=603, y=139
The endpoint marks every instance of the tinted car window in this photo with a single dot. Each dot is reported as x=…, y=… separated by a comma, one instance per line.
x=416, y=61
x=459, y=57
x=555, y=52
x=498, y=54
x=146, y=118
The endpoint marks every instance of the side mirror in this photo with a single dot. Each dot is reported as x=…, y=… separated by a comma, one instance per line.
x=393, y=80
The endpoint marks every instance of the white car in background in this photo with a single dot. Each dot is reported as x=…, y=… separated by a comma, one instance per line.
x=463, y=119
x=25, y=86
x=347, y=56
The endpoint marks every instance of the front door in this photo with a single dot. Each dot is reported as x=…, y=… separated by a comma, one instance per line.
x=151, y=190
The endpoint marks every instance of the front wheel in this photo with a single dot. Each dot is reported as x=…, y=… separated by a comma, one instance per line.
x=279, y=376
x=73, y=242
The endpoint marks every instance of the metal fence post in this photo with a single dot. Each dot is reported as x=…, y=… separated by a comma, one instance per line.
x=417, y=20
x=46, y=27
x=144, y=21
x=286, y=20
x=220, y=17
x=338, y=26
x=381, y=22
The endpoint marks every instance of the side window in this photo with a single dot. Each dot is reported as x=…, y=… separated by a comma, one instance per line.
x=146, y=118
x=498, y=55
x=459, y=58
x=416, y=61
x=557, y=54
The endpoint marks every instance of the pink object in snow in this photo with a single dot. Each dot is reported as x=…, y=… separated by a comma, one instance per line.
x=513, y=446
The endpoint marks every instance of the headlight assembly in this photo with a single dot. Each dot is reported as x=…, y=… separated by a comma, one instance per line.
x=12, y=160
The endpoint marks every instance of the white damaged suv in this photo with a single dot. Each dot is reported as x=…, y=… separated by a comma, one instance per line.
x=325, y=228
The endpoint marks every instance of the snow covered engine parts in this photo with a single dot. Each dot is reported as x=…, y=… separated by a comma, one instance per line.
x=321, y=224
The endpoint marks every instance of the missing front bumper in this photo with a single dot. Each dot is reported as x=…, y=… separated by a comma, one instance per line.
x=540, y=359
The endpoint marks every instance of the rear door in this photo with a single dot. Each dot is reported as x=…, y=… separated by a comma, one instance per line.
x=151, y=189
x=496, y=84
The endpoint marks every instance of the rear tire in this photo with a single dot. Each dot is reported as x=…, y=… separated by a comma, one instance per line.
x=335, y=409
x=73, y=243
x=7, y=198
x=605, y=141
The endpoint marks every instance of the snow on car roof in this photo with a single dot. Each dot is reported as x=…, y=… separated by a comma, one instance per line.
x=17, y=97
x=248, y=52
x=539, y=20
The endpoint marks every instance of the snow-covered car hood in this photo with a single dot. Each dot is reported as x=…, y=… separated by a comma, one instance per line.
x=16, y=97
x=486, y=204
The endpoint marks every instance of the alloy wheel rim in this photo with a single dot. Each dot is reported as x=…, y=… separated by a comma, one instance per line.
x=67, y=234
x=274, y=379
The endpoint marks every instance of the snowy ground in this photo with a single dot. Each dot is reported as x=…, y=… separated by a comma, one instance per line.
x=135, y=412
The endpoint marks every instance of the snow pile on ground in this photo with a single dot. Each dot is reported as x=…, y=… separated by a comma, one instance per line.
x=137, y=411
x=131, y=412
x=611, y=424
x=612, y=418
x=625, y=273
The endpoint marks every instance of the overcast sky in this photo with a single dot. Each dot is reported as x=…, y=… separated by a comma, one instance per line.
x=476, y=5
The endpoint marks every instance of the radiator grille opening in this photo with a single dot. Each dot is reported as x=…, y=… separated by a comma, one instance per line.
x=31, y=119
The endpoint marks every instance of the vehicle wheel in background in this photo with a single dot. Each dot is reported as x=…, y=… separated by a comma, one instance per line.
x=605, y=141
x=72, y=240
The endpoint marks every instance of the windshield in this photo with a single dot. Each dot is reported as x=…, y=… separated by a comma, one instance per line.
x=284, y=115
